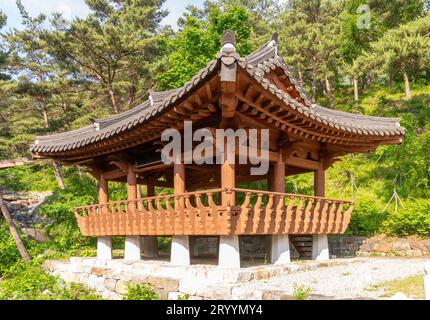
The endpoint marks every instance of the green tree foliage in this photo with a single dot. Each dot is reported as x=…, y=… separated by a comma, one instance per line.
x=402, y=51
x=198, y=41
x=310, y=41
x=412, y=219
x=113, y=48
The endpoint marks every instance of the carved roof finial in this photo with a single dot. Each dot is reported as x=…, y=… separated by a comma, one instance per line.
x=228, y=41
x=275, y=37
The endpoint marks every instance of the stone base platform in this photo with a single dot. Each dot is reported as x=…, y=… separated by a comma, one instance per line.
x=199, y=281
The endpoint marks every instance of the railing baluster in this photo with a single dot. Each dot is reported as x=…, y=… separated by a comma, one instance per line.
x=338, y=221
x=289, y=216
x=257, y=213
x=280, y=213
x=316, y=216
x=268, y=214
x=213, y=213
x=331, y=217
x=324, y=216
x=156, y=215
x=298, y=215
x=346, y=218
x=244, y=213
x=201, y=214
x=307, y=219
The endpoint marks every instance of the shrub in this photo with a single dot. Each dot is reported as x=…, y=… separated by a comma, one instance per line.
x=29, y=282
x=140, y=292
x=413, y=218
x=367, y=216
x=301, y=292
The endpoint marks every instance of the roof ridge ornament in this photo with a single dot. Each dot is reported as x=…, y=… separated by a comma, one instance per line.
x=275, y=37
x=274, y=42
x=228, y=41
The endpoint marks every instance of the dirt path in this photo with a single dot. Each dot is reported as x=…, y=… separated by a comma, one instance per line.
x=352, y=280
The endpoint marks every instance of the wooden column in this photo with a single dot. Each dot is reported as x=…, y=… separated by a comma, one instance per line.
x=228, y=252
x=180, y=251
x=104, y=244
x=228, y=180
x=320, y=250
x=132, y=250
x=279, y=174
x=319, y=183
x=131, y=184
x=149, y=243
x=179, y=179
x=280, y=244
x=103, y=190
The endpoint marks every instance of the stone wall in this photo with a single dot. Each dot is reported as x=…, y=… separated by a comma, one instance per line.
x=385, y=246
x=344, y=246
x=258, y=247
x=109, y=278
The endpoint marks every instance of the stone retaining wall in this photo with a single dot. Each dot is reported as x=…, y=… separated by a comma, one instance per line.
x=344, y=246
x=109, y=278
x=385, y=246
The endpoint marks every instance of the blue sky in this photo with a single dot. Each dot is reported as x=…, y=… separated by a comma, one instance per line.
x=73, y=8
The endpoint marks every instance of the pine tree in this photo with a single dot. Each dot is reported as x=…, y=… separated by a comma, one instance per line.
x=114, y=48
x=399, y=52
x=309, y=40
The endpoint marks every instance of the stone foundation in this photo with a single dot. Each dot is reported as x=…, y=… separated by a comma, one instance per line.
x=344, y=246
x=109, y=278
x=258, y=247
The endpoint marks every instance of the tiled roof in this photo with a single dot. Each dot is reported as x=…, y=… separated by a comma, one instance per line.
x=257, y=64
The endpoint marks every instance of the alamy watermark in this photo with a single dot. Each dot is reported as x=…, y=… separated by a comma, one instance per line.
x=252, y=147
x=364, y=18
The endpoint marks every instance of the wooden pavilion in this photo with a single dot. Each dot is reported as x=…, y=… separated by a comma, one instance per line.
x=252, y=92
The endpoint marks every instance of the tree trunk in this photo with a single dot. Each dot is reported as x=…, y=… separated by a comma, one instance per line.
x=20, y=245
x=299, y=71
x=356, y=90
x=407, y=85
x=45, y=112
x=113, y=100
x=329, y=93
x=313, y=90
x=58, y=175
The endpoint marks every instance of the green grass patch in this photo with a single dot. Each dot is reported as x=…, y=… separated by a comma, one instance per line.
x=412, y=287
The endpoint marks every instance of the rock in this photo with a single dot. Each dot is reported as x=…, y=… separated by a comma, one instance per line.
x=271, y=295
x=121, y=287
x=99, y=271
x=110, y=284
x=35, y=234
x=401, y=246
x=366, y=247
x=414, y=253
x=382, y=247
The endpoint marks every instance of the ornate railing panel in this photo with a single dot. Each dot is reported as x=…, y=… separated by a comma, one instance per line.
x=201, y=213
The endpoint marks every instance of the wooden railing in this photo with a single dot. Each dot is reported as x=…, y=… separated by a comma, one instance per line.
x=202, y=213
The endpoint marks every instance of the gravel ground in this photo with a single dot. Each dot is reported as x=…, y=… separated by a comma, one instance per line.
x=345, y=281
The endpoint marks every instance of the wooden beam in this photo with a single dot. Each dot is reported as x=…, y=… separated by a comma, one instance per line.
x=303, y=163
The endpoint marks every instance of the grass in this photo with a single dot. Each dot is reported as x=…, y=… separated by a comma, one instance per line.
x=412, y=287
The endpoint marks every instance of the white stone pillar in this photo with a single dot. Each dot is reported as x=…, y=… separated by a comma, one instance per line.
x=104, y=248
x=427, y=280
x=149, y=247
x=280, y=251
x=229, y=256
x=132, y=249
x=320, y=247
x=180, y=252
